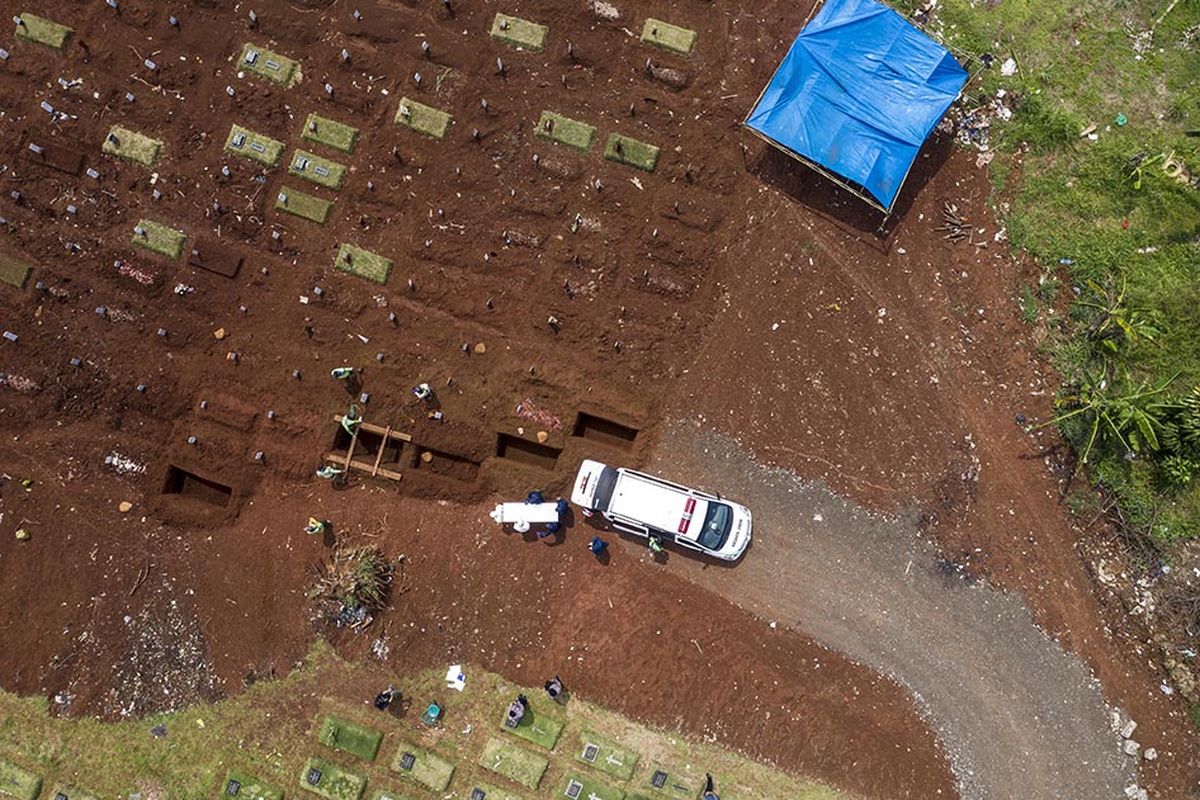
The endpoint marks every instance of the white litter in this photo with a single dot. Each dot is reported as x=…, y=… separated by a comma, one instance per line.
x=455, y=678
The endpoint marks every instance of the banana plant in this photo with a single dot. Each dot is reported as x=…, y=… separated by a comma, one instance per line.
x=1114, y=320
x=1133, y=419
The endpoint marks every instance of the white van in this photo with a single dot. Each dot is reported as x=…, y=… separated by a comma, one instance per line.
x=645, y=505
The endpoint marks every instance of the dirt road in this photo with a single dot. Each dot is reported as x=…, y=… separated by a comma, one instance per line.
x=1018, y=717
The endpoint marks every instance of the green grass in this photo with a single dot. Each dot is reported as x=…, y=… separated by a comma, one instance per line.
x=249, y=788
x=430, y=770
x=43, y=31
x=330, y=133
x=632, y=152
x=1085, y=201
x=679, y=785
x=132, y=146
x=611, y=758
x=321, y=171
x=354, y=739
x=490, y=792
x=422, y=118
x=592, y=787
x=248, y=144
x=515, y=763
x=269, y=65
x=520, y=33
x=266, y=731
x=18, y=783
x=363, y=263
x=669, y=37
x=13, y=271
x=305, y=206
x=537, y=727
x=564, y=130
x=71, y=793
x=336, y=782
x=159, y=238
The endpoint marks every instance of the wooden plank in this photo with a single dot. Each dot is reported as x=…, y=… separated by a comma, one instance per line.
x=382, y=446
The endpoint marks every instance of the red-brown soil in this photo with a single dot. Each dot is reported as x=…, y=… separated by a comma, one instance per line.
x=215, y=592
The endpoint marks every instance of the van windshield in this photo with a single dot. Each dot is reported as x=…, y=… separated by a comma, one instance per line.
x=716, y=526
x=604, y=489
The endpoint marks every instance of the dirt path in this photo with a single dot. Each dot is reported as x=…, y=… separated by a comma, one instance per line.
x=1018, y=717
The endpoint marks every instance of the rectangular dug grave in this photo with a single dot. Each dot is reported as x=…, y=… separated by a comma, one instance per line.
x=131, y=146
x=242, y=786
x=330, y=133
x=188, y=484
x=525, y=451
x=211, y=255
x=305, y=206
x=18, y=784
x=266, y=64
x=604, y=431
x=422, y=118
x=585, y=787
x=631, y=152
x=331, y=781
x=520, y=33
x=53, y=155
x=423, y=767
x=43, y=31
x=321, y=171
x=13, y=271
x=345, y=735
x=248, y=144
x=158, y=238
x=669, y=37
x=606, y=755
x=363, y=263
x=564, y=130
x=513, y=762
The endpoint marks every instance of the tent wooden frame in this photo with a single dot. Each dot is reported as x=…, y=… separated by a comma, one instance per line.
x=845, y=183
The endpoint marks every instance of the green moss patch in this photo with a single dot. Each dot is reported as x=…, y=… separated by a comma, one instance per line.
x=17, y=783
x=330, y=133
x=673, y=784
x=631, y=152
x=159, y=238
x=13, y=271
x=422, y=118
x=564, y=130
x=417, y=764
x=269, y=65
x=513, y=762
x=354, y=739
x=132, y=146
x=321, y=171
x=248, y=144
x=591, y=788
x=332, y=781
x=43, y=31
x=520, y=32
x=363, y=263
x=241, y=786
x=305, y=206
x=536, y=727
x=606, y=755
x=491, y=792
x=669, y=37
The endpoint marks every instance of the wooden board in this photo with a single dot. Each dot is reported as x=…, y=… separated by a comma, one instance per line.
x=210, y=254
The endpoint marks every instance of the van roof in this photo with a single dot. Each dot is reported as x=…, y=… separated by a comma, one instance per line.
x=658, y=506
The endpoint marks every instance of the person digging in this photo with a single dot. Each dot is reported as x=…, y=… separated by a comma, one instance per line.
x=349, y=377
x=351, y=420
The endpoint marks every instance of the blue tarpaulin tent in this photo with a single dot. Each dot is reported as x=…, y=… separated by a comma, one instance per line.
x=857, y=95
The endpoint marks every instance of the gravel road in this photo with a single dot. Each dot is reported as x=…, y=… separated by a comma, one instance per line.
x=1019, y=717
